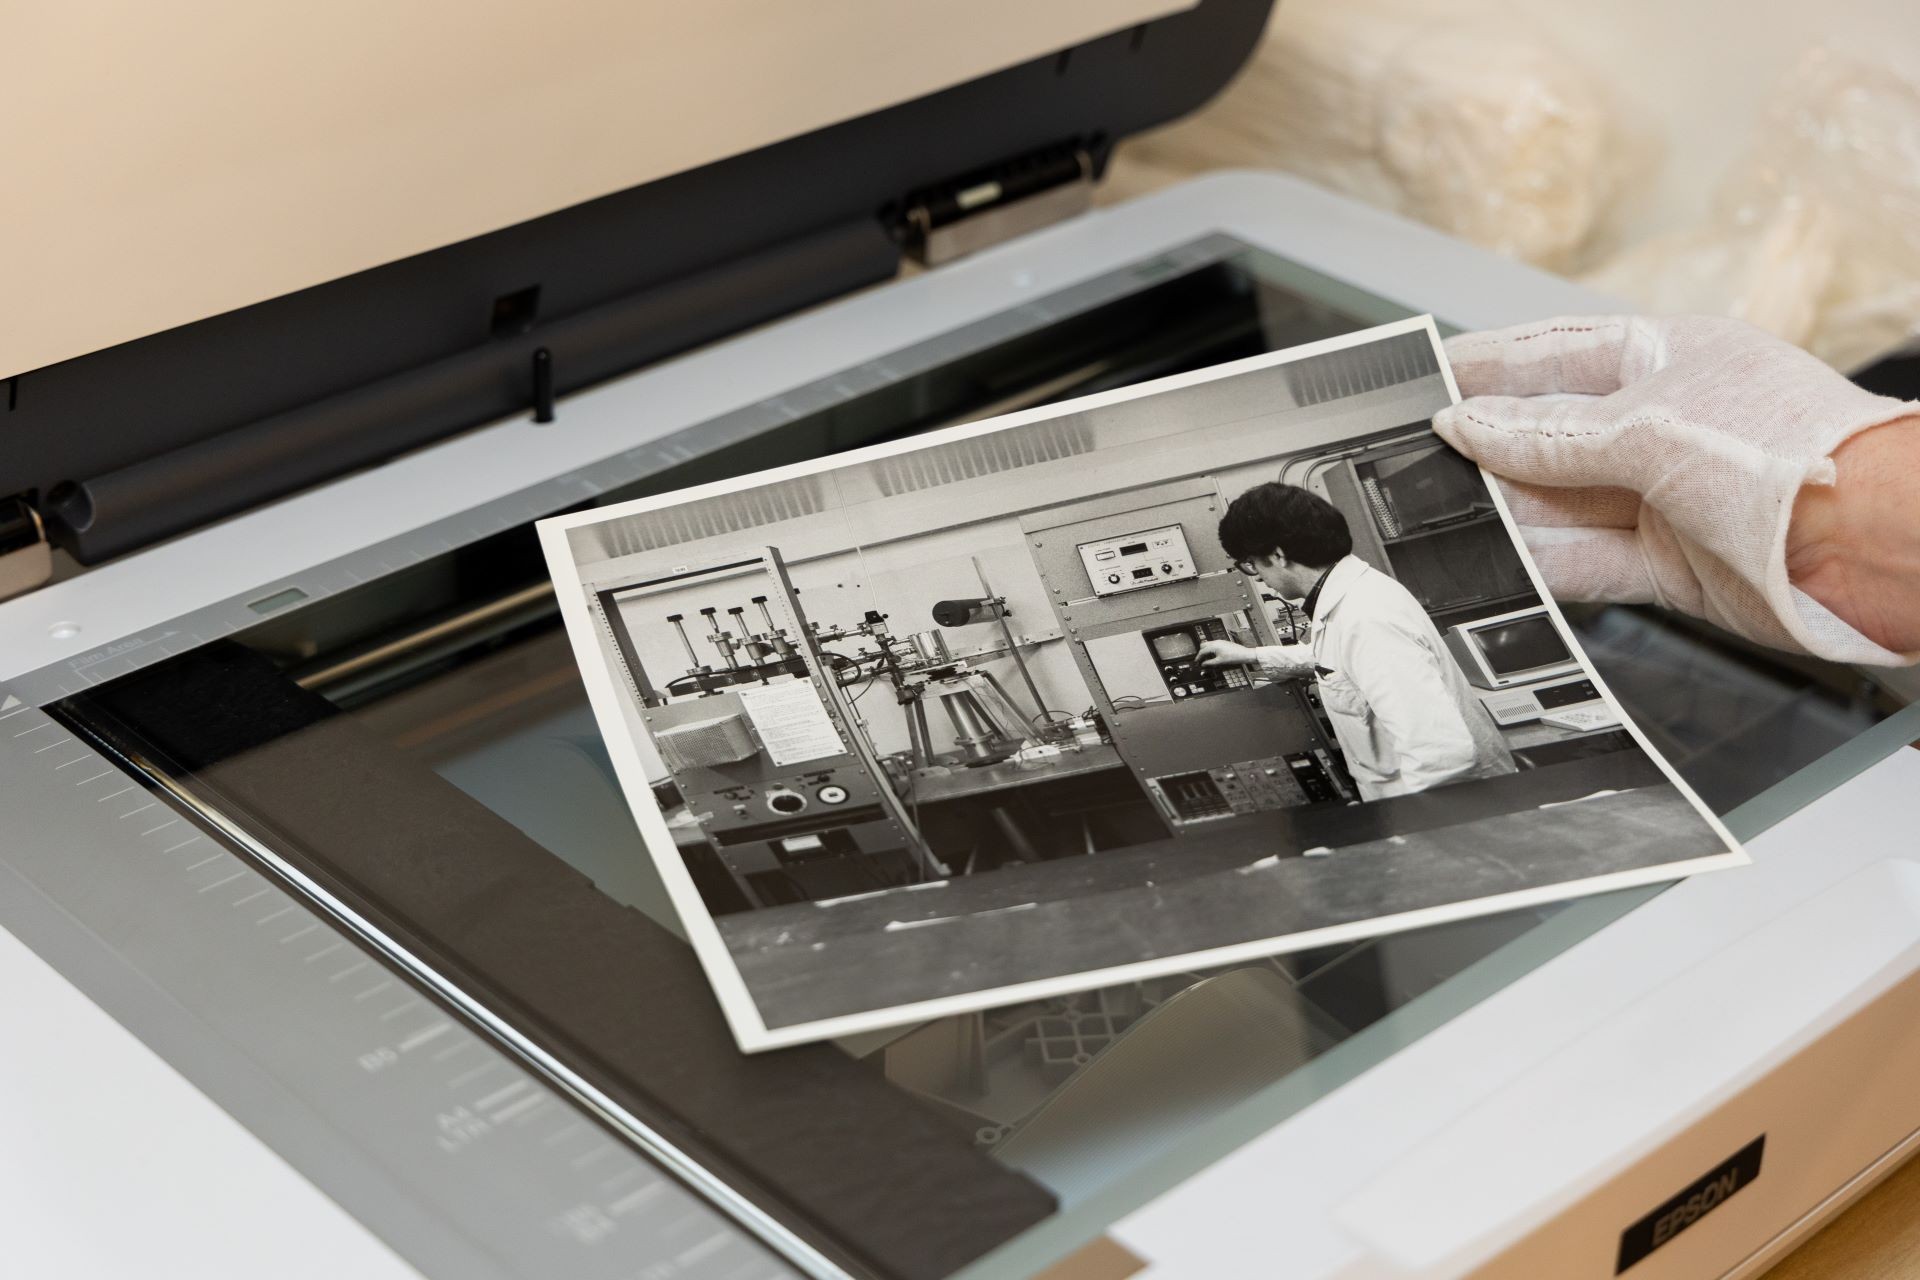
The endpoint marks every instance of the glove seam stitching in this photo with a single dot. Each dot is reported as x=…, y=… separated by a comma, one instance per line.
x=1475, y=418
x=1564, y=328
x=1627, y=424
x=1546, y=332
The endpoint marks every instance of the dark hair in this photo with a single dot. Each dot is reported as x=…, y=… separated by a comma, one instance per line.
x=1284, y=518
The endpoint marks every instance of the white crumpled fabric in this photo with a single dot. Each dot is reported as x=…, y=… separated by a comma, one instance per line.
x=1467, y=123
x=1815, y=234
x=1487, y=133
x=1657, y=460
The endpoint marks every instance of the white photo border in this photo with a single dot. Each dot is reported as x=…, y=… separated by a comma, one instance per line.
x=737, y=1002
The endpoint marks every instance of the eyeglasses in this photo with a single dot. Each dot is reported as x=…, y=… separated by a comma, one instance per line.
x=1252, y=567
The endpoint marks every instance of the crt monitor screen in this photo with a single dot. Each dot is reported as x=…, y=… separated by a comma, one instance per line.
x=1522, y=644
x=1175, y=645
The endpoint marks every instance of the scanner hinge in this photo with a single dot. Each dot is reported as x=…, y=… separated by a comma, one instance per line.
x=985, y=207
x=26, y=561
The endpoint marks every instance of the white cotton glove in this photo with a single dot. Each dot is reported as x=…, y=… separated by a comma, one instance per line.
x=1658, y=459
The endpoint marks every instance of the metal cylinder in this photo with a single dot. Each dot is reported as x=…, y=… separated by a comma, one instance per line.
x=694, y=665
x=963, y=613
x=720, y=638
x=973, y=730
x=930, y=646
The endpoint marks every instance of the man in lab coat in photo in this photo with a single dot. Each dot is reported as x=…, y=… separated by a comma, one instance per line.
x=1403, y=713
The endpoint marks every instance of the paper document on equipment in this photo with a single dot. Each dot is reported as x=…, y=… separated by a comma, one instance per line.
x=792, y=724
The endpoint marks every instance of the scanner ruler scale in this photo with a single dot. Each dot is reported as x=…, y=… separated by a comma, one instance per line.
x=377, y=1092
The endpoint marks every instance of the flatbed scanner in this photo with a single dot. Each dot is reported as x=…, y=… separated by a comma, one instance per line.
x=333, y=944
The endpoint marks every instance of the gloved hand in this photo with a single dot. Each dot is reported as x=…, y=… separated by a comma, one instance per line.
x=1651, y=459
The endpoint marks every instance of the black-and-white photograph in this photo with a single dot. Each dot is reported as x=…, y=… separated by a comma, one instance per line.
x=1232, y=664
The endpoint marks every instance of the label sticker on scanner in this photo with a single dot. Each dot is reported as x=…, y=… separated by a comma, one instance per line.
x=1690, y=1204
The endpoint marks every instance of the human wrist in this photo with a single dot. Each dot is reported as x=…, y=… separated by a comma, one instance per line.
x=1279, y=661
x=1854, y=545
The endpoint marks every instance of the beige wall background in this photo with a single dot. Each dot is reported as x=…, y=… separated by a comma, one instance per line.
x=167, y=162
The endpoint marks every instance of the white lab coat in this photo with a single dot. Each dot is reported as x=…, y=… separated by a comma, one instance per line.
x=1403, y=713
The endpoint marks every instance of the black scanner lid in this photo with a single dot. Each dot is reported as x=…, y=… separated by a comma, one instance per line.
x=137, y=442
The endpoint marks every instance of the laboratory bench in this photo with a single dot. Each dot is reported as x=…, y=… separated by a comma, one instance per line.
x=1242, y=878
x=959, y=782
x=1534, y=745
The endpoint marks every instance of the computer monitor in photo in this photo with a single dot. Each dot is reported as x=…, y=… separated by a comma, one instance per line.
x=1511, y=648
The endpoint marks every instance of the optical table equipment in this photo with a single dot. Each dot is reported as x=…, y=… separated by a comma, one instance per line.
x=315, y=876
